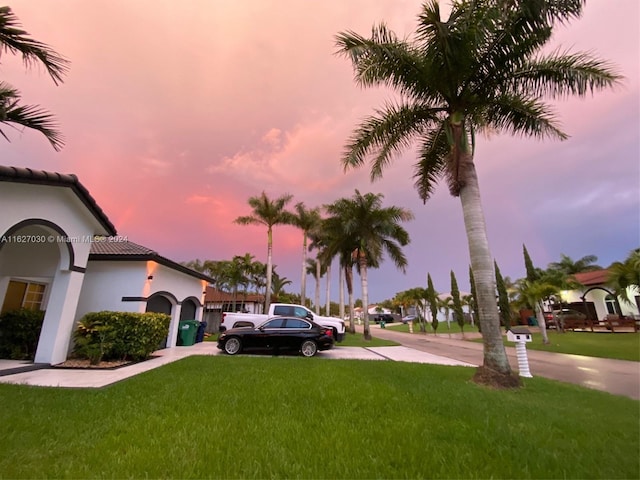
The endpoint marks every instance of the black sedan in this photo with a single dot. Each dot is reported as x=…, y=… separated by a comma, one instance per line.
x=279, y=333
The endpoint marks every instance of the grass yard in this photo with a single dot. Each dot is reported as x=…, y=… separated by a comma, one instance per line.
x=357, y=340
x=289, y=417
x=442, y=328
x=620, y=346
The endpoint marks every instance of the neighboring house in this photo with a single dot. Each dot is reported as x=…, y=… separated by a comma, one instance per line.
x=217, y=301
x=59, y=253
x=599, y=296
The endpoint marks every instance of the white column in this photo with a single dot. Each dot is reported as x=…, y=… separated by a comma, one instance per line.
x=59, y=318
x=173, y=326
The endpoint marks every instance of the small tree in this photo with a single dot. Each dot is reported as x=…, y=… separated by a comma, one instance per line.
x=474, y=302
x=457, y=303
x=432, y=298
x=503, y=299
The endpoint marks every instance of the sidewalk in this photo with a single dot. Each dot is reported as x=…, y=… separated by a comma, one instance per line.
x=78, y=378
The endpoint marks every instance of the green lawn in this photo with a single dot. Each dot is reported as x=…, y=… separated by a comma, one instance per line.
x=620, y=346
x=291, y=417
x=357, y=340
x=443, y=329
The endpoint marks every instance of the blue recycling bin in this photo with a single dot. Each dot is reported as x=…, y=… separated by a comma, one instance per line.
x=200, y=333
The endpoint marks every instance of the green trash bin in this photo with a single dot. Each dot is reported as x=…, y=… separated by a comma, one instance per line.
x=187, y=331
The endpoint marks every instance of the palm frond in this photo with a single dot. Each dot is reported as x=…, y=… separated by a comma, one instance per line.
x=431, y=162
x=562, y=74
x=385, y=135
x=17, y=41
x=29, y=116
x=383, y=59
x=523, y=116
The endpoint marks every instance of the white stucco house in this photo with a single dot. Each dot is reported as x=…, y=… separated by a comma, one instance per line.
x=60, y=253
x=598, y=298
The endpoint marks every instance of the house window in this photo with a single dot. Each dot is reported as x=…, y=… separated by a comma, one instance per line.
x=23, y=295
x=610, y=303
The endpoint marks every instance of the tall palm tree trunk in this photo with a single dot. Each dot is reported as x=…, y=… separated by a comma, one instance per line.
x=341, y=281
x=328, y=300
x=541, y=322
x=267, y=293
x=365, y=294
x=495, y=356
x=303, y=280
x=318, y=277
x=348, y=276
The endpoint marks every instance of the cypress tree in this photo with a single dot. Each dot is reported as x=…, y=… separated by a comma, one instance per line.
x=503, y=299
x=457, y=304
x=532, y=272
x=474, y=302
x=432, y=298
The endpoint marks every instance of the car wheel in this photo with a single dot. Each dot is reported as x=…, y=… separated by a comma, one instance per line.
x=308, y=348
x=232, y=346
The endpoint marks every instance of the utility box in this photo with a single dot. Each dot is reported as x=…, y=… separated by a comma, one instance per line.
x=519, y=334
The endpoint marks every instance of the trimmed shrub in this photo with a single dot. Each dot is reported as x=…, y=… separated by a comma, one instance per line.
x=19, y=333
x=120, y=335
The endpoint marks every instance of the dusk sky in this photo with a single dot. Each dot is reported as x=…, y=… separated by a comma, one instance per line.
x=175, y=113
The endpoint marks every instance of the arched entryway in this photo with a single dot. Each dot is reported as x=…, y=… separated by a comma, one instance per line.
x=159, y=304
x=36, y=272
x=189, y=309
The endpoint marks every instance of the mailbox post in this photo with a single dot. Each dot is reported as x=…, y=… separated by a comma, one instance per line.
x=521, y=335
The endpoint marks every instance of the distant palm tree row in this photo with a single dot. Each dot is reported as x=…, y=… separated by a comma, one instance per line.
x=357, y=231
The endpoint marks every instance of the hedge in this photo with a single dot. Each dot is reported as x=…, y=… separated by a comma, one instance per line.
x=120, y=335
x=19, y=333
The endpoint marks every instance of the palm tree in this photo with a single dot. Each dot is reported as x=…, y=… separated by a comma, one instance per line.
x=306, y=220
x=482, y=70
x=625, y=275
x=369, y=230
x=14, y=40
x=343, y=247
x=568, y=266
x=446, y=304
x=268, y=212
x=314, y=268
x=278, y=284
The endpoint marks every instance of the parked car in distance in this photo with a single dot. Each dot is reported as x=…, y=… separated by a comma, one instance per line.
x=408, y=318
x=276, y=334
x=383, y=317
x=560, y=317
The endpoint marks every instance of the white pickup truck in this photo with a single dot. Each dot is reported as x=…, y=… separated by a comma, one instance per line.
x=231, y=320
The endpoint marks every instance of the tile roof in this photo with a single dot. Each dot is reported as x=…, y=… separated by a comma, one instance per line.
x=54, y=179
x=117, y=246
x=596, y=277
x=120, y=249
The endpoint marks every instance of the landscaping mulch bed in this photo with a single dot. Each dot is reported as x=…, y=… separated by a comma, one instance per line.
x=84, y=364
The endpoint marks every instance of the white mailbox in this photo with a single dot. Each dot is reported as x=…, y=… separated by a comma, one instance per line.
x=519, y=334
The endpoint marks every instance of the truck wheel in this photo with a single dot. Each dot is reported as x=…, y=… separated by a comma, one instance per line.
x=308, y=348
x=335, y=334
x=232, y=346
